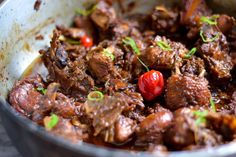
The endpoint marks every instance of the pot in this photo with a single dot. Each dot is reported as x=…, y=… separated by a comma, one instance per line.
x=19, y=24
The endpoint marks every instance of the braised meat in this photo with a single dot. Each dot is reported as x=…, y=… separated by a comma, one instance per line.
x=186, y=90
x=160, y=81
x=24, y=96
x=216, y=52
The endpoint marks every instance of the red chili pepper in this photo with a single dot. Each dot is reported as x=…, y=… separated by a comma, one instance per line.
x=151, y=84
x=86, y=41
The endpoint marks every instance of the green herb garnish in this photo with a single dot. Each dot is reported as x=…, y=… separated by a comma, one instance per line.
x=130, y=42
x=86, y=12
x=190, y=53
x=201, y=116
x=70, y=41
x=164, y=45
x=42, y=90
x=210, y=20
x=208, y=40
x=51, y=122
x=107, y=53
x=95, y=96
x=213, y=106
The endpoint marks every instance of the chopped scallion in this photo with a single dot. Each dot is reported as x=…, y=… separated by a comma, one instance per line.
x=190, y=53
x=208, y=40
x=95, y=96
x=86, y=12
x=42, y=90
x=130, y=42
x=51, y=122
x=107, y=53
x=164, y=45
x=210, y=20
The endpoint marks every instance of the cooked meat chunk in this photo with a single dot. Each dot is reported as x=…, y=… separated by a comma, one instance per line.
x=124, y=128
x=75, y=33
x=120, y=131
x=186, y=90
x=84, y=23
x=191, y=15
x=179, y=134
x=164, y=20
x=158, y=58
x=71, y=75
x=54, y=102
x=215, y=53
x=225, y=23
x=194, y=65
x=101, y=65
x=224, y=124
x=185, y=132
x=105, y=112
x=66, y=130
x=24, y=96
x=103, y=16
x=151, y=129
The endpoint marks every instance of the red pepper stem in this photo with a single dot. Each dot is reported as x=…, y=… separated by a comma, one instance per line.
x=146, y=67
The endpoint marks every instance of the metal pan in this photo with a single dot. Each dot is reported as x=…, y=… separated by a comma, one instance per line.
x=19, y=24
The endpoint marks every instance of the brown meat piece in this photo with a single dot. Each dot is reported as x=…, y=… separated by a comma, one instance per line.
x=72, y=32
x=164, y=20
x=54, y=102
x=124, y=128
x=216, y=53
x=151, y=129
x=157, y=58
x=191, y=14
x=225, y=23
x=179, y=134
x=105, y=112
x=66, y=130
x=37, y=4
x=70, y=74
x=100, y=65
x=86, y=24
x=186, y=90
x=120, y=132
x=224, y=124
x=63, y=106
x=24, y=96
x=184, y=132
x=104, y=15
x=194, y=65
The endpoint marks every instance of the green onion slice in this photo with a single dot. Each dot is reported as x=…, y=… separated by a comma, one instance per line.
x=213, y=106
x=42, y=90
x=190, y=53
x=51, y=122
x=164, y=45
x=95, y=96
x=201, y=117
x=85, y=12
x=208, y=40
x=130, y=42
x=107, y=53
x=72, y=41
x=210, y=20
